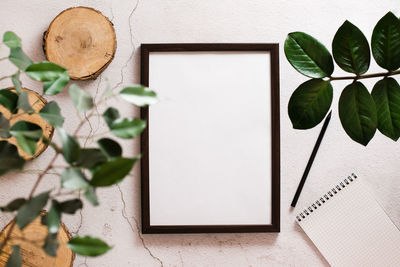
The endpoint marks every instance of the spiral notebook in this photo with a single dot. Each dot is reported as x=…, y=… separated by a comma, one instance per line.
x=350, y=228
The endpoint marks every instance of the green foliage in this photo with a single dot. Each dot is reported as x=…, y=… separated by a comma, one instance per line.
x=350, y=49
x=87, y=167
x=88, y=246
x=139, y=95
x=360, y=112
x=310, y=103
x=308, y=56
x=15, y=259
x=31, y=209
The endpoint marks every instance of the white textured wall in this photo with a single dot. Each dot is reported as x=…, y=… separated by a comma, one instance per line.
x=117, y=219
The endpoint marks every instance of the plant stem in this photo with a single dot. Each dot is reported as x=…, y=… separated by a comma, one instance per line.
x=366, y=76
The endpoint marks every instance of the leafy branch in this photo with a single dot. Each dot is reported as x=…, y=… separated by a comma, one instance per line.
x=85, y=169
x=360, y=111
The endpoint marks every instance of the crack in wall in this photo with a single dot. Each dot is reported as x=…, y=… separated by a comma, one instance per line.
x=133, y=48
x=84, y=263
x=124, y=214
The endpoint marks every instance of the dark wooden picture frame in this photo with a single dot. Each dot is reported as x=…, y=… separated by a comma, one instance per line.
x=273, y=49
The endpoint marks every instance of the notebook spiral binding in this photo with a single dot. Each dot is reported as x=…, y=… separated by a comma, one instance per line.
x=326, y=197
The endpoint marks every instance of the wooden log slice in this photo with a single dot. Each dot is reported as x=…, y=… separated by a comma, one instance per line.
x=32, y=254
x=82, y=40
x=37, y=103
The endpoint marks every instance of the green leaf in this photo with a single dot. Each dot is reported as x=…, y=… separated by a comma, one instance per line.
x=9, y=158
x=15, y=259
x=386, y=42
x=70, y=206
x=110, y=115
x=16, y=82
x=51, y=244
x=23, y=103
x=13, y=205
x=71, y=149
x=90, y=158
x=9, y=100
x=4, y=127
x=11, y=40
x=27, y=135
x=88, y=246
x=30, y=210
x=73, y=178
x=139, y=95
x=309, y=103
x=19, y=58
x=357, y=113
x=81, y=99
x=350, y=49
x=308, y=56
x=386, y=95
x=45, y=71
x=90, y=195
x=110, y=148
x=56, y=86
x=112, y=172
x=53, y=218
x=127, y=128
x=51, y=112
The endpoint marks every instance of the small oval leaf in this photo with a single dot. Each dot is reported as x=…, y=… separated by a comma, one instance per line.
x=386, y=94
x=30, y=210
x=139, y=95
x=112, y=172
x=309, y=103
x=308, y=56
x=357, y=113
x=350, y=49
x=88, y=246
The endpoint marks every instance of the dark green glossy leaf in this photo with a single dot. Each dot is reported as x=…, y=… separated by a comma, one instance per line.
x=31, y=210
x=73, y=178
x=45, y=71
x=112, y=172
x=51, y=244
x=11, y=40
x=110, y=148
x=88, y=246
x=350, y=49
x=9, y=100
x=13, y=205
x=309, y=103
x=27, y=135
x=139, y=95
x=23, y=103
x=90, y=195
x=16, y=82
x=53, y=218
x=357, y=113
x=386, y=94
x=90, y=158
x=19, y=58
x=70, y=149
x=51, y=112
x=127, y=128
x=81, y=99
x=70, y=206
x=9, y=158
x=308, y=56
x=386, y=42
x=56, y=86
x=15, y=259
x=110, y=115
x=4, y=127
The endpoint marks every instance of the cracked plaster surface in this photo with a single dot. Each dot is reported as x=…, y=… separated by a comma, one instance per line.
x=117, y=219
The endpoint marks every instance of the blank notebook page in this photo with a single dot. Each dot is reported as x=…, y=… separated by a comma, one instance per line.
x=351, y=228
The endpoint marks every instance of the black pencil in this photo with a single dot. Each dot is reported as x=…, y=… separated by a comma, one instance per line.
x=311, y=160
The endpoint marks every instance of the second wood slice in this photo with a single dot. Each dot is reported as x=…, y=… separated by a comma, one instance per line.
x=82, y=40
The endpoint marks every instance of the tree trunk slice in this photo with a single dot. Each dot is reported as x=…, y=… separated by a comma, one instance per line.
x=32, y=254
x=37, y=103
x=82, y=40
